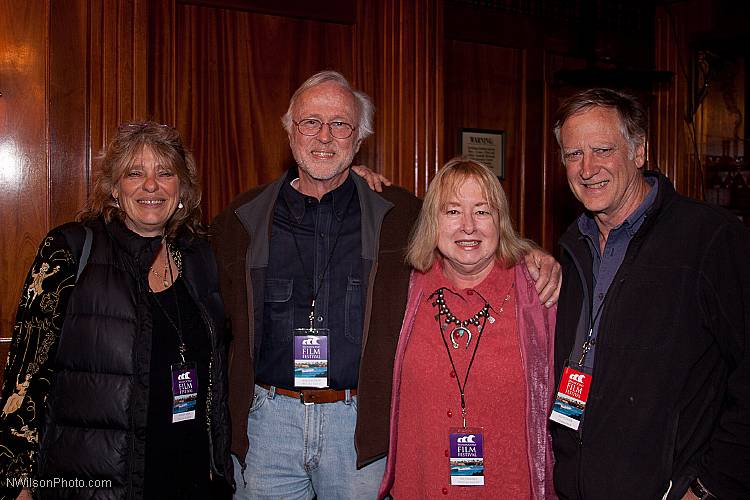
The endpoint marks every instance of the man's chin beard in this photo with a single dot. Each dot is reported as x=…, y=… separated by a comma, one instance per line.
x=322, y=176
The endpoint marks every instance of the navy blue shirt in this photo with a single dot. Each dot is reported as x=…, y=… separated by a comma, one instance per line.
x=305, y=235
x=607, y=263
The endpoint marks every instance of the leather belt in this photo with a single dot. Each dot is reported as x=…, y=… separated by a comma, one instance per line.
x=313, y=396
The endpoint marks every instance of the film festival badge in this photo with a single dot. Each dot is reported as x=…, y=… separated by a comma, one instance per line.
x=570, y=401
x=311, y=357
x=184, y=391
x=467, y=457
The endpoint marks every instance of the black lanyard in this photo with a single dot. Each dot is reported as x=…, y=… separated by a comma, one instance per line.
x=461, y=387
x=309, y=276
x=590, y=340
x=182, y=348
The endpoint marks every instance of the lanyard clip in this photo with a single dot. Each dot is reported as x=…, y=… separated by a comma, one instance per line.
x=312, y=314
x=586, y=347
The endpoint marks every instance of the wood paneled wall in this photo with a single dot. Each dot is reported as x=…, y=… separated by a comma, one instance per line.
x=234, y=74
x=498, y=76
x=222, y=72
x=69, y=73
x=24, y=178
x=488, y=96
x=672, y=148
x=400, y=64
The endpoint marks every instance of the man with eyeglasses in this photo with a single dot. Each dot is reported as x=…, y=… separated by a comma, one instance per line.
x=314, y=280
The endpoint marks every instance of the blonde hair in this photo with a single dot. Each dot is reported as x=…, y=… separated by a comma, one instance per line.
x=448, y=181
x=118, y=158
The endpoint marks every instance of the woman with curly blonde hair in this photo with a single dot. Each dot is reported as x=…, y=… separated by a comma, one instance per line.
x=121, y=343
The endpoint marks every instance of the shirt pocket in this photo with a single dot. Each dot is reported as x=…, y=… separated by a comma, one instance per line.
x=279, y=310
x=353, y=311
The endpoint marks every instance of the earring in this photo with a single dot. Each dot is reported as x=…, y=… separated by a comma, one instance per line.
x=180, y=205
x=117, y=203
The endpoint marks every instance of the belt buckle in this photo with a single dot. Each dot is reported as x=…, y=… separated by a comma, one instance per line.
x=302, y=399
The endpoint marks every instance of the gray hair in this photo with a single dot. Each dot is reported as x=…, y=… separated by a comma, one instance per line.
x=365, y=127
x=633, y=118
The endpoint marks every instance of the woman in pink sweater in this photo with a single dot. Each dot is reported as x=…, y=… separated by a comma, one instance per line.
x=472, y=381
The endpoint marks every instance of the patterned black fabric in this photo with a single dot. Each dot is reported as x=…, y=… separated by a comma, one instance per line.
x=28, y=372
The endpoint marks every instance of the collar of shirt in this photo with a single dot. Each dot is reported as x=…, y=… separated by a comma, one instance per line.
x=630, y=226
x=493, y=288
x=297, y=202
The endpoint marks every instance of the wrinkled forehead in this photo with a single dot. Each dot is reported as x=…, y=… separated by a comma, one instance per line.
x=141, y=154
x=327, y=98
x=595, y=123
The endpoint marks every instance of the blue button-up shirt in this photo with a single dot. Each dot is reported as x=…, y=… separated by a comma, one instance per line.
x=606, y=264
x=304, y=236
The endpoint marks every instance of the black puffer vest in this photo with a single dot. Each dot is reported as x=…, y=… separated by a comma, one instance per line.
x=96, y=412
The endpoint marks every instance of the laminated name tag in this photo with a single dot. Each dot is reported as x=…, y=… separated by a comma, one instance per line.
x=570, y=401
x=311, y=357
x=184, y=391
x=467, y=457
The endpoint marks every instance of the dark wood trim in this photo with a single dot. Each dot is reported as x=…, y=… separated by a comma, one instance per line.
x=68, y=110
x=330, y=11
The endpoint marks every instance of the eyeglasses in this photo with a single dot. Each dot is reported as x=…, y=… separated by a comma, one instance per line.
x=312, y=126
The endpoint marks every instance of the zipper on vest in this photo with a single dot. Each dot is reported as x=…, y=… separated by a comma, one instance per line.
x=209, y=393
x=208, y=418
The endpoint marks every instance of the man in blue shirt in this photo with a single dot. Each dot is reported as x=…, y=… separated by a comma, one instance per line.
x=653, y=329
x=314, y=279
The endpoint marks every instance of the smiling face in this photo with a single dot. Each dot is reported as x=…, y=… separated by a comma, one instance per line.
x=323, y=160
x=467, y=234
x=148, y=194
x=601, y=172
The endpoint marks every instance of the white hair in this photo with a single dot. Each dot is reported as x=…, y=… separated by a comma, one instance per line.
x=365, y=127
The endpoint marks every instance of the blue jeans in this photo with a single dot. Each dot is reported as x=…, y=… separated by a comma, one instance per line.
x=299, y=451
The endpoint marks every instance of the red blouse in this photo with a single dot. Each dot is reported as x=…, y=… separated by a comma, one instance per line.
x=495, y=393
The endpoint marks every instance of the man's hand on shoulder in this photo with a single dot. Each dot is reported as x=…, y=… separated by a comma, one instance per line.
x=547, y=274
x=373, y=179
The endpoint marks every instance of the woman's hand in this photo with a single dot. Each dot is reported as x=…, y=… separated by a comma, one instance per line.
x=373, y=179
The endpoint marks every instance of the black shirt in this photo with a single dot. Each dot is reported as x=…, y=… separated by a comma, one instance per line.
x=305, y=235
x=177, y=454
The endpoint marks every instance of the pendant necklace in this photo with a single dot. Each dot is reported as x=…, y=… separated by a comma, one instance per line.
x=462, y=326
x=177, y=258
x=172, y=254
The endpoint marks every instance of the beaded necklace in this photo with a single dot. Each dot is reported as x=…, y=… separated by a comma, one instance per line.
x=462, y=326
x=460, y=329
